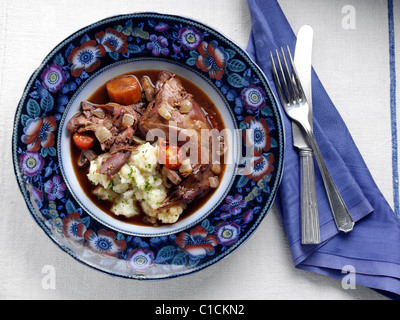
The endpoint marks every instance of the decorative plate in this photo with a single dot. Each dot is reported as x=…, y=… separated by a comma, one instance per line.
x=141, y=41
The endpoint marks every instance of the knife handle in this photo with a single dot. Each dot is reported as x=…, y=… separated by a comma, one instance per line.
x=341, y=214
x=309, y=209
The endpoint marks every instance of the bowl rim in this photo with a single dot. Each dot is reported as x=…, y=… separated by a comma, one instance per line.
x=124, y=227
x=47, y=228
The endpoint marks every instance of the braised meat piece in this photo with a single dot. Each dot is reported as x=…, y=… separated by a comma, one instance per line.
x=177, y=114
x=114, y=126
x=114, y=163
x=196, y=186
x=172, y=105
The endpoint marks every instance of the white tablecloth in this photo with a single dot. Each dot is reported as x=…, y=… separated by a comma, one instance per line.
x=351, y=57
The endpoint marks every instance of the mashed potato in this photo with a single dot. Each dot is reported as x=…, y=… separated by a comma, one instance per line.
x=138, y=183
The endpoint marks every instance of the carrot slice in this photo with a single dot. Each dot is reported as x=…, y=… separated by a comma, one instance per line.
x=124, y=90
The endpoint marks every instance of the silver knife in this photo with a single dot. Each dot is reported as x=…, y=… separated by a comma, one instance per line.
x=309, y=209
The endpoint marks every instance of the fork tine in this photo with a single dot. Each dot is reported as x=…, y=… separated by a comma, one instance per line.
x=289, y=77
x=299, y=87
x=277, y=82
x=285, y=85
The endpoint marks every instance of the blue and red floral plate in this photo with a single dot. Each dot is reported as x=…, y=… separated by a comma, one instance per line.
x=120, y=44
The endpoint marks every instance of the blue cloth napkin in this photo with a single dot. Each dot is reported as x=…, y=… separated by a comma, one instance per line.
x=372, y=249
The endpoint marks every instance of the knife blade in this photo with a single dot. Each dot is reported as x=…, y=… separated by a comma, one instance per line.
x=302, y=61
x=309, y=208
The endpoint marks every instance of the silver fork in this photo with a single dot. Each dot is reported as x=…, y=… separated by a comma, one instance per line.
x=296, y=107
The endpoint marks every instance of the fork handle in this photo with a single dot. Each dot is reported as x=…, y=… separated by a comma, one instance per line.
x=341, y=215
x=309, y=209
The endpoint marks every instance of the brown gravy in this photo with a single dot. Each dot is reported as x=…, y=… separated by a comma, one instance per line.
x=100, y=96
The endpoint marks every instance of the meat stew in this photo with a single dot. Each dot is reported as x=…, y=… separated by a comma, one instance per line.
x=169, y=102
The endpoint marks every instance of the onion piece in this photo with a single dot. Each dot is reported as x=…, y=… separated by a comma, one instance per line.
x=138, y=140
x=103, y=134
x=163, y=111
x=185, y=106
x=99, y=113
x=216, y=168
x=107, y=123
x=128, y=119
x=214, y=182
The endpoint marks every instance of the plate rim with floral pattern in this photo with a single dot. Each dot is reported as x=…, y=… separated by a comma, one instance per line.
x=182, y=41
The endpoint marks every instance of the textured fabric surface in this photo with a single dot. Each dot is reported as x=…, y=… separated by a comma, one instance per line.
x=372, y=248
x=353, y=65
